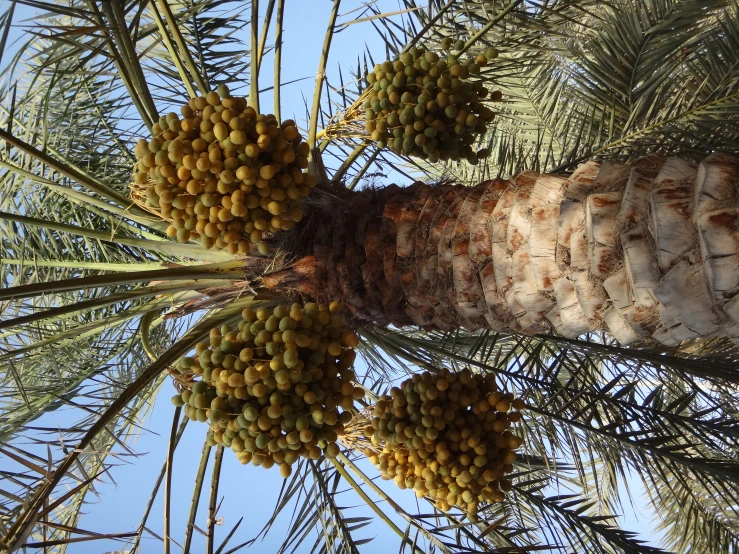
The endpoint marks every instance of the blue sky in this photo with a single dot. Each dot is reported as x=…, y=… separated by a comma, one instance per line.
x=250, y=492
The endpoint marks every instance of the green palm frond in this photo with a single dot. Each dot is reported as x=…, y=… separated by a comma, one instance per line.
x=692, y=512
x=59, y=517
x=575, y=528
x=145, y=382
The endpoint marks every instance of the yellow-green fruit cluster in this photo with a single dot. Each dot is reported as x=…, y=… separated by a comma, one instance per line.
x=223, y=173
x=276, y=387
x=429, y=107
x=447, y=437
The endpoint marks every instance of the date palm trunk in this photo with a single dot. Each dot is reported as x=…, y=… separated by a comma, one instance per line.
x=644, y=251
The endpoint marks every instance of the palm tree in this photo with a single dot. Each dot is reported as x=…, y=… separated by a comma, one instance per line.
x=544, y=278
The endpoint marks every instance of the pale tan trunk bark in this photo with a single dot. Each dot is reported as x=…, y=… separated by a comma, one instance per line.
x=643, y=251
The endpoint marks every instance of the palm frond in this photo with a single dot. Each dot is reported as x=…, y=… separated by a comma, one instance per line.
x=27, y=517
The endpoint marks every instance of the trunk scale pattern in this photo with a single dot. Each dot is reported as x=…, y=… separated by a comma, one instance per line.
x=647, y=250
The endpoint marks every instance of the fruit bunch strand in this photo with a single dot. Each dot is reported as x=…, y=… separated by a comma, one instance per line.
x=429, y=107
x=278, y=386
x=222, y=173
x=447, y=436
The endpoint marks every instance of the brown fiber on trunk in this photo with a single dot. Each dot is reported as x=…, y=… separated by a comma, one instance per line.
x=467, y=286
x=417, y=307
x=391, y=215
x=647, y=250
x=445, y=285
x=444, y=315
